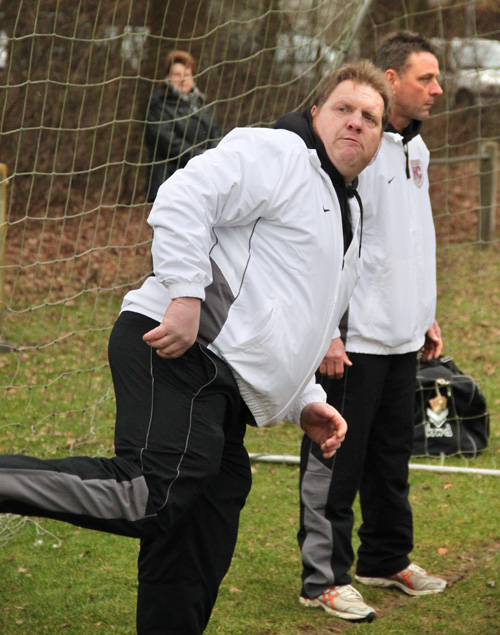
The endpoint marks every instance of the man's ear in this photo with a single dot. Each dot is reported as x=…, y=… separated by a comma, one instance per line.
x=392, y=77
x=314, y=110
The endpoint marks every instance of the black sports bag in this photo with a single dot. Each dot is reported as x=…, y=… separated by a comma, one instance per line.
x=451, y=416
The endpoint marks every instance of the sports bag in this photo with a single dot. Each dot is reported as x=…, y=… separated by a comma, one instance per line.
x=451, y=416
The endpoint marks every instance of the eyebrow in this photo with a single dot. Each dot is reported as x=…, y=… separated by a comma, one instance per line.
x=364, y=111
x=370, y=111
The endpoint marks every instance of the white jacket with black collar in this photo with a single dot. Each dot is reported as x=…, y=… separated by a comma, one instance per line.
x=253, y=228
x=394, y=302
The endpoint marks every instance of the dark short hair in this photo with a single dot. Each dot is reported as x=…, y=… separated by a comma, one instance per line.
x=396, y=48
x=362, y=72
x=180, y=57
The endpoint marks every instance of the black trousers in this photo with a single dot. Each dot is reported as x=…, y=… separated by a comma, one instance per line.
x=376, y=397
x=178, y=482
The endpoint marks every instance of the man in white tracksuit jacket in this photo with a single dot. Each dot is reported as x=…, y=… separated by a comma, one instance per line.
x=391, y=316
x=256, y=251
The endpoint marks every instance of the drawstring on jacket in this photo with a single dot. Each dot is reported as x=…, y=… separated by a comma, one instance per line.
x=360, y=203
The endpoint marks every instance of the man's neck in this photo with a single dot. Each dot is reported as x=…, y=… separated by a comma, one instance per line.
x=399, y=123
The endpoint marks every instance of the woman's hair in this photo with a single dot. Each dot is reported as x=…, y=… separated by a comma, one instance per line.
x=362, y=72
x=180, y=57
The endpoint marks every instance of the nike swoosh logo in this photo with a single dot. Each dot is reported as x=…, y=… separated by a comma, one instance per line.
x=325, y=210
x=390, y=180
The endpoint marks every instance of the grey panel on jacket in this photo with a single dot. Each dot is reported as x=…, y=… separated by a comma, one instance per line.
x=214, y=310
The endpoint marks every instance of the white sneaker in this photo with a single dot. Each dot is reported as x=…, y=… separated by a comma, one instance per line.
x=343, y=601
x=413, y=580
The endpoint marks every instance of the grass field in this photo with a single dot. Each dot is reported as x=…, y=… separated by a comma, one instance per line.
x=87, y=583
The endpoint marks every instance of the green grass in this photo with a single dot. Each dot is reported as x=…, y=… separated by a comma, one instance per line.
x=88, y=583
x=56, y=388
x=456, y=534
x=468, y=310
x=57, y=399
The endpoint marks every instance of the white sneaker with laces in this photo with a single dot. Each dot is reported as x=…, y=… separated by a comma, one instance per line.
x=343, y=601
x=413, y=580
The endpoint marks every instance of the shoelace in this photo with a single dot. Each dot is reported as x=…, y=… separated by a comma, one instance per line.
x=348, y=592
x=416, y=569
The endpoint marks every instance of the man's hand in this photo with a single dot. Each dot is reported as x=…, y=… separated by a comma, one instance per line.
x=178, y=329
x=433, y=343
x=335, y=360
x=324, y=425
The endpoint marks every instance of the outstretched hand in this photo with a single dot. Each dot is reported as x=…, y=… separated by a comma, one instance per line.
x=178, y=329
x=324, y=425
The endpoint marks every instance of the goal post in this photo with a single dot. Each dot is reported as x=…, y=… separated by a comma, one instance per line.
x=3, y=232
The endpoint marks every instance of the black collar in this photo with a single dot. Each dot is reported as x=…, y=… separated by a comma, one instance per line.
x=412, y=130
x=301, y=123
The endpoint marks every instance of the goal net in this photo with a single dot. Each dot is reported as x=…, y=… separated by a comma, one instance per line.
x=75, y=80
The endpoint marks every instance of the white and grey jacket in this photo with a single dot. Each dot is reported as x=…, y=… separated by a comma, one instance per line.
x=394, y=302
x=254, y=229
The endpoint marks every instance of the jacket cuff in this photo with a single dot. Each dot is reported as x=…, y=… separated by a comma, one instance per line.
x=186, y=290
x=336, y=334
x=313, y=393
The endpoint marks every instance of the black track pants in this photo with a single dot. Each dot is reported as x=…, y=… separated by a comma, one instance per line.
x=178, y=481
x=376, y=397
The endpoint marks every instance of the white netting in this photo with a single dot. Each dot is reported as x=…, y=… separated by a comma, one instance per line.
x=75, y=79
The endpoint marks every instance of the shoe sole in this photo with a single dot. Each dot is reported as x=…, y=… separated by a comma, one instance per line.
x=345, y=616
x=380, y=582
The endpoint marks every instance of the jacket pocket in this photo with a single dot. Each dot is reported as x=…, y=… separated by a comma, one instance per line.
x=261, y=333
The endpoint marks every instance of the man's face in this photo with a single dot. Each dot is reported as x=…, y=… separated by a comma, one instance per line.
x=415, y=89
x=349, y=124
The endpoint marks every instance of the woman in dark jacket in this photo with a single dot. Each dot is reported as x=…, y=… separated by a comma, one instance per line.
x=179, y=124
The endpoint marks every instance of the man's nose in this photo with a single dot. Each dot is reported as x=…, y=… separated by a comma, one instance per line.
x=355, y=120
x=435, y=89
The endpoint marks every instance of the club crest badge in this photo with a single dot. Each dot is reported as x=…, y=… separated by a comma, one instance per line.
x=437, y=413
x=417, y=172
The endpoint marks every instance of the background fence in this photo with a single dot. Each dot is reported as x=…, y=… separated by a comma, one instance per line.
x=75, y=79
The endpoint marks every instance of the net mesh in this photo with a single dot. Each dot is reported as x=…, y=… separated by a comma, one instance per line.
x=75, y=80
